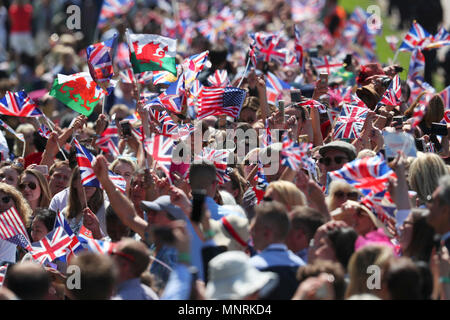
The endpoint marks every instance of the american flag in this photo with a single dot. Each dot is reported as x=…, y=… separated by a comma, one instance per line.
x=220, y=101
x=275, y=87
x=416, y=38
x=112, y=8
x=44, y=131
x=97, y=246
x=326, y=64
x=75, y=245
x=11, y=130
x=160, y=148
x=18, y=104
x=219, y=79
x=88, y=177
x=220, y=159
x=416, y=65
x=292, y=153
x=370, y=175
x=3, y=274
x=99, y=59
x=52, y=246
x=393, y=93
x=12, y=228
x=350, y=122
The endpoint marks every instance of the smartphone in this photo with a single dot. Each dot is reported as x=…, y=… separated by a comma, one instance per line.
x=296, y=95
x=198, y=198
x=126, y=127
x=348, y=59
x=281, y=108
x=42, y=168
x=323, y=77
x=420, y=144
x=439, y=129
x=397, y=121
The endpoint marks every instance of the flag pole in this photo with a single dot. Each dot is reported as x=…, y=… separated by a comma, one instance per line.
x=243, y=74
x=395, y=56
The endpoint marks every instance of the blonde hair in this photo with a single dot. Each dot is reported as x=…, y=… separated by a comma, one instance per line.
x=424, y=173
x=369, y=255
x=336, y=185
x=20, y=203
x=288, y=193
x=366, y=153
x=124, y=160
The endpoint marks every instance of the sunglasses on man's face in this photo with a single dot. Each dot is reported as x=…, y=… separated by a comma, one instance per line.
x=327, y=161
x=30, y=185
x=352, y=195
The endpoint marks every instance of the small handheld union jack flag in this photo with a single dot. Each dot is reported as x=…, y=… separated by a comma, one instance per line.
x=160, y=148
x=350, y=122
x=293, y=153
x=100, y=58
x=44, y=131
x=416, y=38
x=219, y=79
x=393, y=93
x=97, y=246
x=52, y=246
x=313, y=104
x=112, y=8
x=18, y=104
x=417, y=65
x=75, y=245
x=220, y=160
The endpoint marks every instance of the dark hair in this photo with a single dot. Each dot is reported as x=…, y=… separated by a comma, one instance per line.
x=307, y=219
x=422, y=236
x=46, y=216
x=403, y=279
x=202, y=174
x=426, y=280
x=30, y=284
x=325, y=266
x=343, y=242
x=274, y=214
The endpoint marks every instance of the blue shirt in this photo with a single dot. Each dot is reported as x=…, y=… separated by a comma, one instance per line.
x=303, y=254
x=276, y=255
x=167, y=255
x=217, y=211
x=133, y=289
x=179, y=285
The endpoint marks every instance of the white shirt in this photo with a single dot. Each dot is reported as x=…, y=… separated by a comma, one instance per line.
x=7, y=251
x=59, y=200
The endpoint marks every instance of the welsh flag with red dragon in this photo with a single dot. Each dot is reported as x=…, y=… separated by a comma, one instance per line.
x=77, y=91
x=151, y=52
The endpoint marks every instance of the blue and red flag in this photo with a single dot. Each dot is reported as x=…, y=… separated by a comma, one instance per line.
x=350, y=122
x=18, y=104
x=275, y=87
x=292, y=153
x=416, y=38
x=75, y=245
x=220, y=160
x=113, y=8
x=97, y=246
x=52, y=246
x=12, y=228
x=220, y=101
x=160, y=148
x=393, y=93
x=100, y=59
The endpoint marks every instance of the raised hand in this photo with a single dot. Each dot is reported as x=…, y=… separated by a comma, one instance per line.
x=91, y=222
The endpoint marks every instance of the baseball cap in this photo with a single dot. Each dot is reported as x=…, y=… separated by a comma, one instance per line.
x=163, y=203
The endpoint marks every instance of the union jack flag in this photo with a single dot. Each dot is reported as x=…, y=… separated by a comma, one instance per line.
x=356, y=23
x=52, y=246
x=11, y=130
x=75, y=245
x=419, y=113
x=88, y=177
x=267, y=47
x=416, y=65
x=192, y=67
x=97, y=246
x=12, y=228
x=442, y=38
x=302, y=10
x=3, y=274
x=220, y=159
x=261, y=183
x=393, y=93
x=160, y=148
x=112, y=8
x=220, y=101
x=326, y=64
x=44, y=131
x=18, y=104
x=350, y=122
x=266, y=138
x=383, y=213
x=416, y=38
x=293, y=153
x=174, y=98
x=299, y=49
x=122, y=58
x=99, y=59
x=370, y=175
x=392, y=40
x=219, y=79
x=163, y=77
x=275, y=87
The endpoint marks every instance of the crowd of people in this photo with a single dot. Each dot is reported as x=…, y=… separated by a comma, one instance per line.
x=202, y=231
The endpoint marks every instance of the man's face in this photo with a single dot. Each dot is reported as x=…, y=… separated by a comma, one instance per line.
x=158, y=218
x=59, y=180
x=334, y=160
x=439, y=214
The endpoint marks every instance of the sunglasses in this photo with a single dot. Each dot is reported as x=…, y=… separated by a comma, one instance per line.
x=6, y=199
x=30, y=185
x=327, y=161
x=352, y=195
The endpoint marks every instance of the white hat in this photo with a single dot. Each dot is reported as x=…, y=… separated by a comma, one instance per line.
x=231, y=231
x=232, y=277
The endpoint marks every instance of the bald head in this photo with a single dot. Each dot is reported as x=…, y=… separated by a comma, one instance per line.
x=28, y=281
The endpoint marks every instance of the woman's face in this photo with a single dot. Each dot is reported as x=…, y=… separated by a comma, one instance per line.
x=248, y=115
x=30, y=188
x=406, y=230
x=6, y=201
x=341, y=195
x=362, y=223
x=125, y=170
x=9, y=175
x=137, y=193
x=38, y=230
x=83, y=195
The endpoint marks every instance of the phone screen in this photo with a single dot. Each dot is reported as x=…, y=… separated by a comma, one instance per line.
x=198, y=198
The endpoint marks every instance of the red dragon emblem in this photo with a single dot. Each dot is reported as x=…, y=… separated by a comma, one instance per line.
x=150, y=53
x=79, y=87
